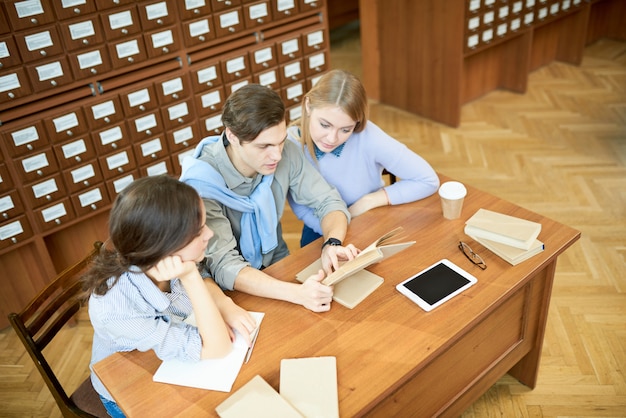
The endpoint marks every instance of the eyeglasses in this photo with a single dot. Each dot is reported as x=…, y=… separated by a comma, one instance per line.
x=471, y=255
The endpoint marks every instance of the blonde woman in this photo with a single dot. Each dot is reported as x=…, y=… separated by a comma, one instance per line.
x=351, y=152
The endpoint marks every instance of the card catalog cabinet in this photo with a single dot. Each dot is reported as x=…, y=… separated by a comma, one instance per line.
x=430, y=57
x=96, y=93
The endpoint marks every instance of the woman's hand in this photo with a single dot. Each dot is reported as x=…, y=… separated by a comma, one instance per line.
x=238, y=319
x=172, y=267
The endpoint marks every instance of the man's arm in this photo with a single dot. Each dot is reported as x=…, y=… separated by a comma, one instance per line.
x=311, y=294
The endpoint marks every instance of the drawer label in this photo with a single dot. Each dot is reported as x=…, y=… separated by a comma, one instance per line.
x=38, y=41
x=83, y=173
x=54, y=212
x=66, y=122
x=11, y=230
x=49, y=71
x=92, y=196
x=82, y=30
x=28, y=8
x=45, y=188
x=89, y=59
x=74, y=148
x=35, y=162
x=24, y=136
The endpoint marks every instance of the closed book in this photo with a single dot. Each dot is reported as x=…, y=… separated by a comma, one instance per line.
x=310, y=385
x=512, y=255
x=256, y=399
x=505, y=229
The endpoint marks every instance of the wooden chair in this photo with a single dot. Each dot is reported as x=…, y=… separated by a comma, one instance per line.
x=40, y=322
x=392, y=177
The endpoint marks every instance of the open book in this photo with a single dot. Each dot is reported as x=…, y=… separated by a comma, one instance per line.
x=382, y=248
x=509, y=230
x=352, y=282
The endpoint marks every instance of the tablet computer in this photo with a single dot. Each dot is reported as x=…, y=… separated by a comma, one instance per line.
x=436, y=284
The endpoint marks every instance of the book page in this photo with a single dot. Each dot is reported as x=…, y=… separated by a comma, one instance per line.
x=211, y=374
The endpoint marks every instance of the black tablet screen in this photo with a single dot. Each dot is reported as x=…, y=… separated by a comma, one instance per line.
x=436, y=283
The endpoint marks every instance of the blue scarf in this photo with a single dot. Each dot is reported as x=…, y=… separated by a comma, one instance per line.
x=258, y=211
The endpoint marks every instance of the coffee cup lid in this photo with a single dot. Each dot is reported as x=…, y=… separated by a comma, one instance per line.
x=452, y=190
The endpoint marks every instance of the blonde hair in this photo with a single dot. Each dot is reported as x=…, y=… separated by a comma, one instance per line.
x=335, y=88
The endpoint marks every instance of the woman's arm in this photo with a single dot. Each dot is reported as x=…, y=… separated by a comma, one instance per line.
x=215, y=334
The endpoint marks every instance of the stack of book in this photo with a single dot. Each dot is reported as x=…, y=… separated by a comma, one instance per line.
x=511, y=238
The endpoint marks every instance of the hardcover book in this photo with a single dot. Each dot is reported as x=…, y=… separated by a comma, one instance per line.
x=505, y=229
x=352, y=282
x=512, y=255
x=256, y=399
x=310, y=385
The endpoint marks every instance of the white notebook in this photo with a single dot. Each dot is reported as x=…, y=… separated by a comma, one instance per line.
x=211, y=374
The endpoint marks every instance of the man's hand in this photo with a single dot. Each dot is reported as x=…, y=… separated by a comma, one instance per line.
x=332, y=254
x=314, y=295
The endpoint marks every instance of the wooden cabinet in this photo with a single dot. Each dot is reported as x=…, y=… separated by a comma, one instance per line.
x=95, y=95
x=430, y=57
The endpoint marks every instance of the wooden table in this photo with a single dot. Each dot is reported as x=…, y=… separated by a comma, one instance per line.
x=392, y=357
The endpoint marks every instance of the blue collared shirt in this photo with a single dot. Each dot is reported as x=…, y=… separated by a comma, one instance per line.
x=136, y=315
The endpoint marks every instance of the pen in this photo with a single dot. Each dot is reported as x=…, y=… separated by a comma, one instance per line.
x=255, y=334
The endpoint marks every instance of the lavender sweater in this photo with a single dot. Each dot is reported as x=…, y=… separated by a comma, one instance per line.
x=357, y=171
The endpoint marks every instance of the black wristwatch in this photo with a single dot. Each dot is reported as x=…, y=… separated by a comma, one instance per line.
x=331, y=241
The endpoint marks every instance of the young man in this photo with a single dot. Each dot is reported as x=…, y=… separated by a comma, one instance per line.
x=244, y=176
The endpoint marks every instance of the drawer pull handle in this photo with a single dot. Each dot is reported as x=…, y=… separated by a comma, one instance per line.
x=57, y=221
x=93, y=206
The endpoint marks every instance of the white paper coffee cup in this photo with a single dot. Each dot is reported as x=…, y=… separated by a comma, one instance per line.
x=452, y=194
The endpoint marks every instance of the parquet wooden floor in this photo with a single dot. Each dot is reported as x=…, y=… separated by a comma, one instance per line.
x=559, y=150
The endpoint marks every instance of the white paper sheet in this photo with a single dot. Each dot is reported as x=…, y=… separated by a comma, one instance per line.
x=211, y=374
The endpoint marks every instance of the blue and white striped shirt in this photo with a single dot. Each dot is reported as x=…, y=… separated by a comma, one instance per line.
x=136, y=315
